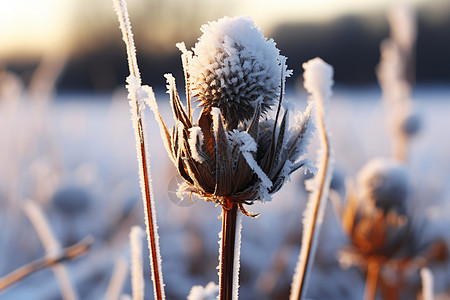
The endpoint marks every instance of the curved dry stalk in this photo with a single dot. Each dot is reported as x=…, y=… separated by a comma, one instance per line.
x=309, y=242
x=68, y=253
x=137, y=99
x=318, y=81
x=51, y=245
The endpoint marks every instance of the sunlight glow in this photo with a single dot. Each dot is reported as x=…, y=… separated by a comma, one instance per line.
x=28, y=24
x=32, y=28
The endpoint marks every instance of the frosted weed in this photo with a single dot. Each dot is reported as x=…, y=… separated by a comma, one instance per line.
x=233, y=154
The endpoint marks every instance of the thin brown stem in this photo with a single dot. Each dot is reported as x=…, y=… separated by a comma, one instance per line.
x=68, y=253
x=125, y=26
x=151, y=228
x=226, y=274
x=373, y=271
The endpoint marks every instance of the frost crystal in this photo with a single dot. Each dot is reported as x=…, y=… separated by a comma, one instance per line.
x=196, y=142
x=235, y=68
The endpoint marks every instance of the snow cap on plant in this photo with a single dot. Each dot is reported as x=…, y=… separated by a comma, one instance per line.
x=235, y=68
x=223, y=157
x=384, y=183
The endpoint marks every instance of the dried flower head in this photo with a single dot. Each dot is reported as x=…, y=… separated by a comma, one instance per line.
x=387, y=239
x=229, y=163
x=384, y=183
x=233, y=67
x=375, y=216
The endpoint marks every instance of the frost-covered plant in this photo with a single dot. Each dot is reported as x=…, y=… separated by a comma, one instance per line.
x=384, y=184
x=374, y=218
x=234, y=70
x=381, y=228
x=137, y=94
x=254, y=159
x=232, y=155
x=318, y=80
x=395, y=74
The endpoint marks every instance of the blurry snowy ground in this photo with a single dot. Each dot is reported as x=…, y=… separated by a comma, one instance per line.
x=75, y=156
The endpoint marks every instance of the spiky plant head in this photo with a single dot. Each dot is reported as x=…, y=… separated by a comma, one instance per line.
x=237, y=75
x=235, y=68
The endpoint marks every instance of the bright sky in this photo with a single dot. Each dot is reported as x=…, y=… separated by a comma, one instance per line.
x=33, y=27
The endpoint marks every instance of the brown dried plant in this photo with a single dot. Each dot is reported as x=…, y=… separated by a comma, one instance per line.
x=382, y=232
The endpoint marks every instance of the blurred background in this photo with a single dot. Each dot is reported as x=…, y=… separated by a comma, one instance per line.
x=67, y=149
x=346, y=33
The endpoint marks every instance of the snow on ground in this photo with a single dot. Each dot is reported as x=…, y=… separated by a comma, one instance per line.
x=76, y=158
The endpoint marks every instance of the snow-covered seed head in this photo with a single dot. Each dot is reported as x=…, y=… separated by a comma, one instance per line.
x=235, y=68
x=385, y=184
x=230, y=154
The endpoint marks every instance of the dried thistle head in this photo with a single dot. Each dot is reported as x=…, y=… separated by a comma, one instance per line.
x=375, y=215
x=221, y=157
x=384, y=183
x=234, y=68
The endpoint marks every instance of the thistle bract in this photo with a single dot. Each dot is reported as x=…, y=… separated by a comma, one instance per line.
x=234, y=68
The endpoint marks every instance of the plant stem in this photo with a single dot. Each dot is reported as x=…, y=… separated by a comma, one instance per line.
x=149, y=222
x=138, y=124
x=227, y=255
x=309, y=241
x=70, y=252
x=371, y=280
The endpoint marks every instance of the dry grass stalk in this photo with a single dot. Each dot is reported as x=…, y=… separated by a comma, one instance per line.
x=137, y=274
x=117, y=279
x=318, y=81
x=136, y=102
x=68, y=253
x=51, y=246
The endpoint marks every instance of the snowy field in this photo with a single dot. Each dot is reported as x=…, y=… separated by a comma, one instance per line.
x=75, y=156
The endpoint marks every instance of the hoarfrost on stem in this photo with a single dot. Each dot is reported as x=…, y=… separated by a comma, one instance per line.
x=318, y=80
x=138, y=96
